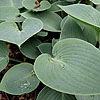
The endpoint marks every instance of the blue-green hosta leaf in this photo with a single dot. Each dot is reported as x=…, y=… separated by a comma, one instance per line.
x=4, y=52
x=12, y=34
x=55, y=8
x=51, y=21
x=8, y=13
x=84, y=13
x=30, y=4
x=50, y=94
x=45, y=48
x=71, y=29
x=92, y=97
x=73, y=69
x=32, y=52
x=19, y=79
x=96, y=1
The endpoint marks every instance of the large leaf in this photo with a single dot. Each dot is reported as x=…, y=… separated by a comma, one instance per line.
x=50, y=20
x=32, y=51
x=84, y=13
x=19, y=79
x=74, y=67
x=49, y=94
x=91, y=97
x=9, y=31
x=4, y=52
x=30, y=4
x=8, y=13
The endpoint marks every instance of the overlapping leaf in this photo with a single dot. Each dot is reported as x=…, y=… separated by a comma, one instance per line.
x=31, y=4
x=71, y=29
x=51, y=21
x=74, y=69
x=19, y=79
x=84, y=13
x=12, y=34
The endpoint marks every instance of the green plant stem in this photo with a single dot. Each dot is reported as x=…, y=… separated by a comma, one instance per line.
x=16, y=60
x=19, y=26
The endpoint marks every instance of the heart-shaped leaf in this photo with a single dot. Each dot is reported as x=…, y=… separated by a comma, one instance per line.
x=8, y=13
x=19, y=79
x=84, y=13
x=51, y=21
x=74, y=67
x=35, y=5
x=12, y=34
x=33, y=51
x=91, y=97
x=4, y=52
x=49, y=94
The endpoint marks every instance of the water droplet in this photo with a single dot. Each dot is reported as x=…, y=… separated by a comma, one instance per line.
x=25, y=85
x=51, y=60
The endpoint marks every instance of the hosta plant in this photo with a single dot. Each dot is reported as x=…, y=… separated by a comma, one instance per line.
x=61, y=41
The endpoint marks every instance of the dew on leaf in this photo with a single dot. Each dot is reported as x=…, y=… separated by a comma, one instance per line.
x=25, y=85
x=51, y=60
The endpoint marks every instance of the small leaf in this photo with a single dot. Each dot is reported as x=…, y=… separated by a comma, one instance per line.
x=19, y=79
x=45, y=48
x=4, y=52
x=32, y=52
x=12, y=34
x=51, y=21
x=49, y=94
x=31, y=5
x=73, y=69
